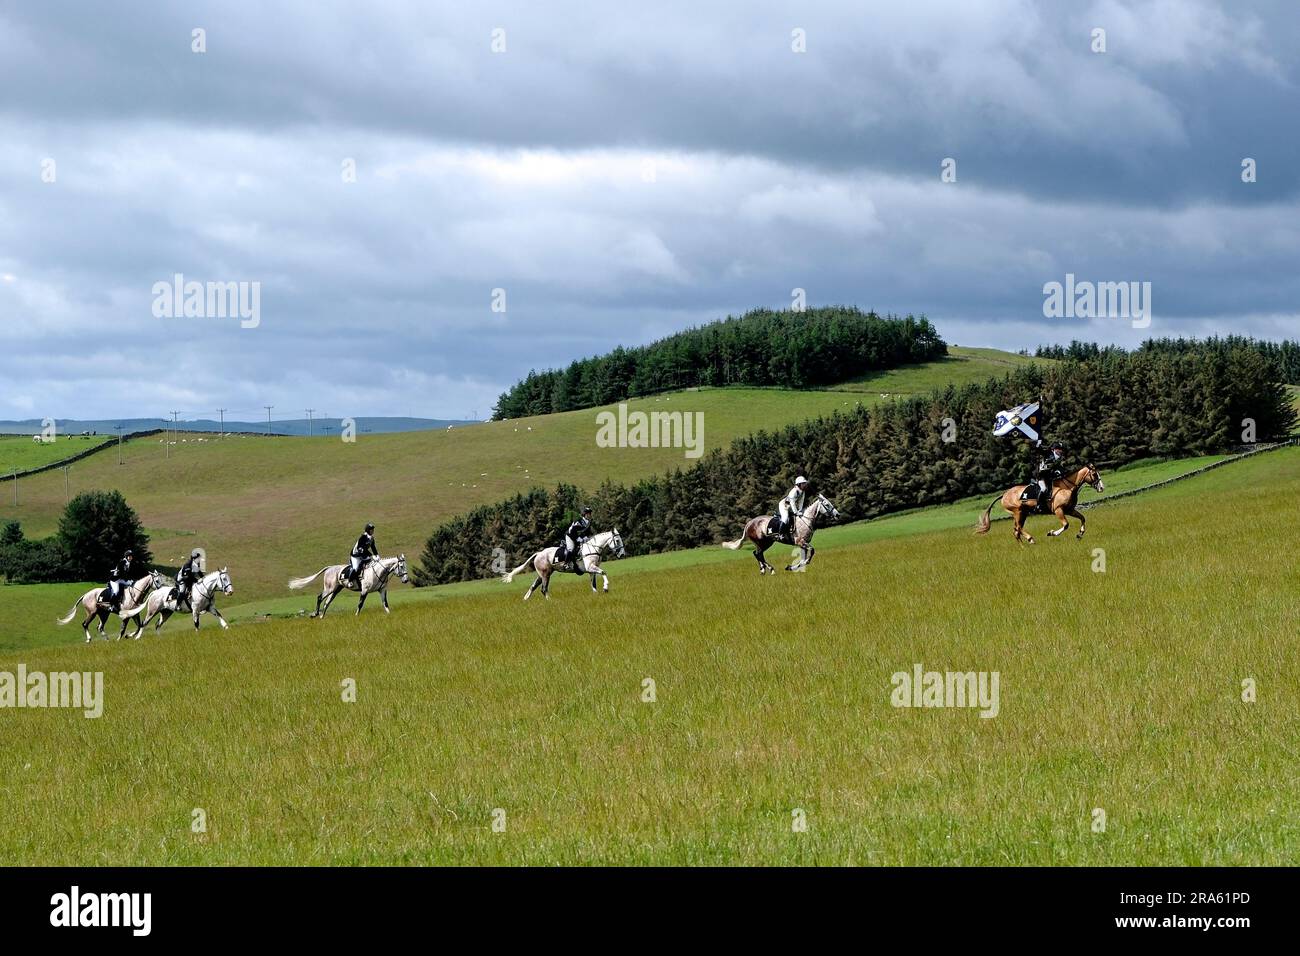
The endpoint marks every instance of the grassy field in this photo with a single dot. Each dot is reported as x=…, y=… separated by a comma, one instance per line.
x=1119, y=690
x=20, y=453
x=26, y=612
x=281, y=507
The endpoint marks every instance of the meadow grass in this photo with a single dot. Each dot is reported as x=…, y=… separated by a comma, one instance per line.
x=27, y=612
x=20, y=453
x=281, y=507
x=1120, y=691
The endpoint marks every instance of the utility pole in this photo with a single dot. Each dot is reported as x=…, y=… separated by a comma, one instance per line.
x=119, y=443
x=66, y=494
x=222, y=413
x=15, y=487
x=268, y=418
x=309, y=411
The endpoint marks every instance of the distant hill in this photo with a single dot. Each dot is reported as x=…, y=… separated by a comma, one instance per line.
x=289, y=426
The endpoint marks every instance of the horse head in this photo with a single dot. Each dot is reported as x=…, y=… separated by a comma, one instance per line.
x=616, y=543
x=223, y=581
x=1091, y=476
x=825, y=508
x=401, y=569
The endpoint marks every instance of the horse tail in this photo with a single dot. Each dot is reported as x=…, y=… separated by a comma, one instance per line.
x=506, y=579
x=71, y=614
x=129, y=612
x=735, y=545
x=297, y=583
x=983, y=526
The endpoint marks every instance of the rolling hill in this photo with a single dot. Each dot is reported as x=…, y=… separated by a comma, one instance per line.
x=273, y=508
x=1121, y=691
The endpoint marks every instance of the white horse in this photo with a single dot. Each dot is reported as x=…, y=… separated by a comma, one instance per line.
x=90, y=602
x=203, y=595
x=543, y=562
x=373, y=578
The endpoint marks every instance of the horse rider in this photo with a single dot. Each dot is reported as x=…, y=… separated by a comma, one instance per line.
x=362, y=552
x=791, y=506
x=571, y=546
x=1049, y=468
x=123, y=573
x=189, y=573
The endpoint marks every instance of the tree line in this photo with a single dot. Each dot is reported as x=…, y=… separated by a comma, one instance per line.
x=788, y=349
x=1113, y=408
x=94, y=529
x=1286, y=353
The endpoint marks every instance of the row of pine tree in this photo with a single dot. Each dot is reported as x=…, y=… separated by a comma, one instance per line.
x=1110, y=409
x=1286, y=353
x=788, y=349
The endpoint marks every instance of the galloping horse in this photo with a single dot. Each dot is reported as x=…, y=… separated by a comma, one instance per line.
x=1065, y=499
x=805, y=524
x=91, y=604
x=373, y=578
x=202, y=596
x=543, y=562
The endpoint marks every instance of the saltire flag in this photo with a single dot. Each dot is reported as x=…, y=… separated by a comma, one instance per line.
x=1024, y=419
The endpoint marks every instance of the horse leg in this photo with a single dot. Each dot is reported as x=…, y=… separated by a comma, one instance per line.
x=1060, y=513
x=384, y=594
x=606, y=580
x=362, y=602
x=1083, y=522
x=537, y=583
x=217, y=614
x=328, y=601
x=162, y=619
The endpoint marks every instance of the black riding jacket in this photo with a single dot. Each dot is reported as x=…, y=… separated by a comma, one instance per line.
x=1049, y=469
x=188, y=572
x=578, y=529
x=124, y=570
x=365, y=546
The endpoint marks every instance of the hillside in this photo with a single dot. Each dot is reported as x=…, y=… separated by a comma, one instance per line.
x=273, y=508
x=26, y=612
x=1119, y=690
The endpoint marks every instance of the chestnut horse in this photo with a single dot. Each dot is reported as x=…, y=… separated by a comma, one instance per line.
x=805, y=523
x=1064, y=501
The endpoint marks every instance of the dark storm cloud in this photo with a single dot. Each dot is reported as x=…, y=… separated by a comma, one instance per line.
x=620, y=173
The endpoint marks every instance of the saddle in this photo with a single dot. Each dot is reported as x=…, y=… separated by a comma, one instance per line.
x=1042, y=506
x=773, y=528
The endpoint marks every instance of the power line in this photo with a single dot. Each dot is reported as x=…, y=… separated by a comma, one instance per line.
x=268, y=418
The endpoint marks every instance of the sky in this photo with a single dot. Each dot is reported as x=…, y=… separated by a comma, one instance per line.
x=430, y=199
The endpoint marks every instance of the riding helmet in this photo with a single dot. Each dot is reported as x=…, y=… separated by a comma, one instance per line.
x=586, y=509
x=369, y=526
